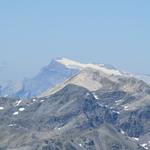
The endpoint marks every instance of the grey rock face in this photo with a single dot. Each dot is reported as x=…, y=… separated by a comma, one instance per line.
x=48, y=77
x=71, y=119
x=138, y=122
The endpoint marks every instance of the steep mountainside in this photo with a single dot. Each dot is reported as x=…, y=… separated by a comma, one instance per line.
x=48, y=77
x=71, y=119
x=126, y=95
x=95, y=79
x=57, y=72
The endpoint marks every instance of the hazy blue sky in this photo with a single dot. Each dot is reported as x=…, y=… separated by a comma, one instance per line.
x=32, y=32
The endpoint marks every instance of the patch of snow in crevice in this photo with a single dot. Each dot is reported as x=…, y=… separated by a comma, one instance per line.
x=122, y=131
x=95, y=96
x=57, y=128
x=144, y=145
x=118, y=102
x=34, y=100
x=41, y=100
x=18, y=102
x=16, y=113
x=134, y=138
x=11, y=125
x=21, y=109
x=117, y=112
x=80, y=145
x=126, y=108
x=1, y=108
x=106, y=106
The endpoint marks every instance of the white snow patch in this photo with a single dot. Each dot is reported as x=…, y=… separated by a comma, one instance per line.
x=122, y=131
x=117, y=112
x=21, y=109
x=136, y=139
x=16, y=113
x=57, y=128
x=118, y=102
x=34, y=100
x=106, y=106
x=41, y=100
x=144, y=145
x=126, y=108
x=1, y=108
x=11, y=125
x=95, y=96
x=18, y=102
x=80, y=145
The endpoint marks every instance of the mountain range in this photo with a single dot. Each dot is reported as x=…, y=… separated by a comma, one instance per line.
x=56, y=72
x=75, y=106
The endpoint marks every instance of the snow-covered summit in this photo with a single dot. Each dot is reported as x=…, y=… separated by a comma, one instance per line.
x=77, y=65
